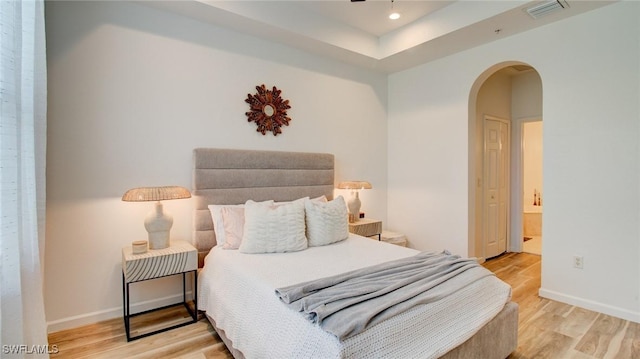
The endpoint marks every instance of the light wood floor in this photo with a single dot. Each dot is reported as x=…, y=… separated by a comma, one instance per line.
x=547, y=329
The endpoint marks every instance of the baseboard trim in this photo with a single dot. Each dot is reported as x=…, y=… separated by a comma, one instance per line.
x=111, y=313
x=591, y=305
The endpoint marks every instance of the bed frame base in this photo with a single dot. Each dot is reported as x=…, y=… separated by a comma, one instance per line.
x=496, y=340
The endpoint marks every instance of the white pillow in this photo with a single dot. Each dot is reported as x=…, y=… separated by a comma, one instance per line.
x=218, y=223
x=322, y=198
x=273, y=229
x=233, y=221
x=326, y=222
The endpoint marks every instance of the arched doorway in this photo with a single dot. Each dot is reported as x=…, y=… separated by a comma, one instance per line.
x=511, y=92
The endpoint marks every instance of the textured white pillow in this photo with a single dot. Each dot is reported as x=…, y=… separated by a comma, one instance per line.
x=326, y=222
x=273, y=229
x=218, y=222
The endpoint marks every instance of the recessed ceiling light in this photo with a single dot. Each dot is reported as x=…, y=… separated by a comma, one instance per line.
x=394, y=14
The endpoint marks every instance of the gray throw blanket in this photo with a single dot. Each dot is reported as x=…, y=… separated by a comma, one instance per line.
x=347, y=304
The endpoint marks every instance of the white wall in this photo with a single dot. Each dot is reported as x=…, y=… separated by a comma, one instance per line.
x=132, y=90
x=526, y=96
x=589, y=66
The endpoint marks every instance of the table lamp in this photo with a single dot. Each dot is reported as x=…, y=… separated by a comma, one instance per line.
x=157, y=223
x=354, y=202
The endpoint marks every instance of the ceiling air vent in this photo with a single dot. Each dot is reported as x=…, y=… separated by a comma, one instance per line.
x=546, y=8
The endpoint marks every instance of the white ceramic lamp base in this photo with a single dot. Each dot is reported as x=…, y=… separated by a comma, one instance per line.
x=158, y=225
x=354, y=207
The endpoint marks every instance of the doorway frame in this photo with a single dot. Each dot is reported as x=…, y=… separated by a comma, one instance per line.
x=474, y=241
x=517, y=188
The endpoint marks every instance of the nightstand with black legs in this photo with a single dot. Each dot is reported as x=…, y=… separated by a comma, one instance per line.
x=180, y=258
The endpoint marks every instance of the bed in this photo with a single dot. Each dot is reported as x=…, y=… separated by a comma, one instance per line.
x=236, y=290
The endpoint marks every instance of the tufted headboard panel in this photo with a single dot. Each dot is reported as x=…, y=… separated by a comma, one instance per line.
x=226, y=176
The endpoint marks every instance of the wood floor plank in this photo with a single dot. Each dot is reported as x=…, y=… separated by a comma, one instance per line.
x=630, y=346
x=546, y=329
x=541, y=343
x=577, y=322
x=598, y=338
x=558, y=308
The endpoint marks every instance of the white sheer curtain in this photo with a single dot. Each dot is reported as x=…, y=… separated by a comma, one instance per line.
x=23, y=87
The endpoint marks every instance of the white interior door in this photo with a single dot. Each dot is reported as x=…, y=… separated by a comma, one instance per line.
x=496, y=186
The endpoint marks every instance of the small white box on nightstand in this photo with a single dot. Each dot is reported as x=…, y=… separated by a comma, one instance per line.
x=394, y=238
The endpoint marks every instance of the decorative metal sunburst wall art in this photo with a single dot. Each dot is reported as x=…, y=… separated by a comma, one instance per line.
x=268, y=110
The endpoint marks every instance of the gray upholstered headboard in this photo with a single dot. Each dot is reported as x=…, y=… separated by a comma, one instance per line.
x=224, y=176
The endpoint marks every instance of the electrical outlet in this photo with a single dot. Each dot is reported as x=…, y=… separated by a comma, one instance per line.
x=578, y=262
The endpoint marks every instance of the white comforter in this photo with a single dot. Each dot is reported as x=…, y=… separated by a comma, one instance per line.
x=237, y=290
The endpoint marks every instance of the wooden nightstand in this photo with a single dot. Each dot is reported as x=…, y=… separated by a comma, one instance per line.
x=179, y=258
x=366, y=227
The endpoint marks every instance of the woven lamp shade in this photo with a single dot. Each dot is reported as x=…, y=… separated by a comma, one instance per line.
x=354, y=185
x=143, y=194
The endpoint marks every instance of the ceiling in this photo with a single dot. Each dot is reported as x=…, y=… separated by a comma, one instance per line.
x=361, y=34
x=372, y=16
